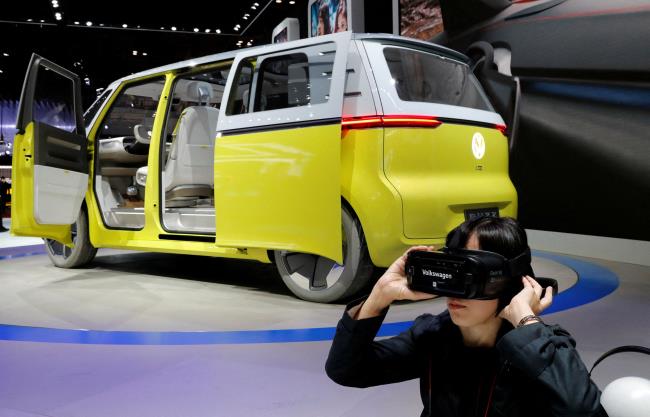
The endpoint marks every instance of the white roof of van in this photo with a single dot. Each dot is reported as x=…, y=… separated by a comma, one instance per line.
x=231, y=55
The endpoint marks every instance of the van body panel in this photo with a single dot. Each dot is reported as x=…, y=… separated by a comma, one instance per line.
x=280, y=190
x=373, y=198
x=277, y=161
x=438, y=176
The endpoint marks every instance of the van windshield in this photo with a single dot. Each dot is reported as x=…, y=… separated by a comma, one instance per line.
x=90, y=113
x=425, y=77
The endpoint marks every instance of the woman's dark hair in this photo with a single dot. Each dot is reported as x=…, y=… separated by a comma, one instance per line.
x=502, y=235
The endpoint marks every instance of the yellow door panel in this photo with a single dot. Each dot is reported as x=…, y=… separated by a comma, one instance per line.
x=23, y=222
x=280, y=189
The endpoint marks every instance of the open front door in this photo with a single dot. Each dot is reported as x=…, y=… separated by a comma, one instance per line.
x=277, y=152
x=50, y=161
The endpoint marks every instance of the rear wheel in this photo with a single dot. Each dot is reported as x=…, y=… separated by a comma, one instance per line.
x=82, y=252
x=316, y=278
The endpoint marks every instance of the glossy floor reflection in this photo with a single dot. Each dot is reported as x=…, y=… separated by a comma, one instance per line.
x=124, y=293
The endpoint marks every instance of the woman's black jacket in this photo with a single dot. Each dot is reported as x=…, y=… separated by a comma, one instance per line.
x=533, y=371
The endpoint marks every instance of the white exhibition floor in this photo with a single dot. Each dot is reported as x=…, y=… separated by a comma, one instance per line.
x=145, y=334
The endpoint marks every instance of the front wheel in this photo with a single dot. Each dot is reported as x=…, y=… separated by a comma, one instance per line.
x=80, y=254
x=319, y=279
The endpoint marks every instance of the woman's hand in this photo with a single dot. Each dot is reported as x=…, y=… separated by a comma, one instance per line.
x=392, y=286
x=528, y=301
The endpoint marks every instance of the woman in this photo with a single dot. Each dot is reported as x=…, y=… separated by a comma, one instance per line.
x=324, y=20
x=341, y=20
x=478, y=358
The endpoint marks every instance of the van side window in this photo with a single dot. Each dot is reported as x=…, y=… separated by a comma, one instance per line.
x=54, y=101
x=283, y=81
x=425, y=77
x=238, y=101
x=90, y=113
x=294, y=80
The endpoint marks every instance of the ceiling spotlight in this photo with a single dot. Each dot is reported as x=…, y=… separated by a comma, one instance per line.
x=218, y=31
x=248, y=44
x=76, y=23
x=58, y=16
x=256, y=4
x=125, y=26
x=42, y=21
x=55, y=5
x=89, y=23
x=236, y=28
x=207, y=31
x=30, y=20
x=245, y=18
x=162, y=28
x=135, y=52
x=292, y=2
x=278, y=1
x=196, y=29
x=5, y=54
x=1, y=71
x=173, y=27
x=144, y=54
x=254, y=7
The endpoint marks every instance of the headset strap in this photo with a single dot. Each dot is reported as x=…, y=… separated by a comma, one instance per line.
x=620, y=349
x=520, y=265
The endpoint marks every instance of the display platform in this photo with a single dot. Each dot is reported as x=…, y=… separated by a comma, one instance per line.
x=155, y=334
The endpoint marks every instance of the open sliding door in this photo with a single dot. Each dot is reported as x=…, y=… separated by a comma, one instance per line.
x=277, y=153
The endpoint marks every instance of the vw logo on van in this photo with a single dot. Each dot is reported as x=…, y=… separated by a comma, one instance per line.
x=478, y=145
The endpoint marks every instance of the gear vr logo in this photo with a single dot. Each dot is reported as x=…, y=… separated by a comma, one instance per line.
x=436, y=274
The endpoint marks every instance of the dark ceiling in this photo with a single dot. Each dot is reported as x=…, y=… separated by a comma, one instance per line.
x=103, y=41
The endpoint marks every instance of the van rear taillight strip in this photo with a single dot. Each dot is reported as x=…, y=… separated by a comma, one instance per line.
x=366, y=122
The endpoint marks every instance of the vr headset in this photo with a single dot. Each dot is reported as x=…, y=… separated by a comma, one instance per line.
x=468, y=274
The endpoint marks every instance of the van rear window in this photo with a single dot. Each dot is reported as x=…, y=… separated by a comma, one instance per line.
x=425, y=77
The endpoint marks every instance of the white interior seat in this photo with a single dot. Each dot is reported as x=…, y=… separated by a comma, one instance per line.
x=189, y=172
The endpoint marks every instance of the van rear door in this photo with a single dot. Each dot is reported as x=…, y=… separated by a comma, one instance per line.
x=50, y=161
x=444, y=148
x=277, y=154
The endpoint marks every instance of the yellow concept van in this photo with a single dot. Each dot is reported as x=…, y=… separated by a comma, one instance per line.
x=327, y=156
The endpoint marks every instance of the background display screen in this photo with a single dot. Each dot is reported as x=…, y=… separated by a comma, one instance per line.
x=282, y=36
x=420, y=19
x=328, y=16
